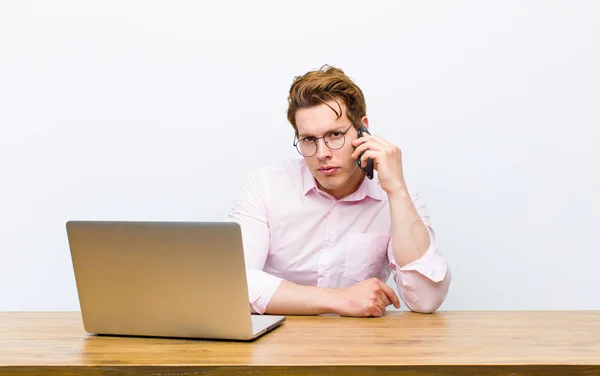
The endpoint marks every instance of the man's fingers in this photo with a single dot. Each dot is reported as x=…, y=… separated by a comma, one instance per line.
x=378, y=308
x=369, y=154
x=370, y=138
x=381, y=304
x=371, y=144
x=390, y=294
x=364, y=147
x=377, y=312
x=384, y=298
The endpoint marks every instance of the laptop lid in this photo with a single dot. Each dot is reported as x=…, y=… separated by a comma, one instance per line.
x=171, y=279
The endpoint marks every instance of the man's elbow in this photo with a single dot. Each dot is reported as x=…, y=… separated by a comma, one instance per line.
x=425, y=306
x=431, y=300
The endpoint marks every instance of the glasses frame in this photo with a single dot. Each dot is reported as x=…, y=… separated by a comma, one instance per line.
x=316, y=139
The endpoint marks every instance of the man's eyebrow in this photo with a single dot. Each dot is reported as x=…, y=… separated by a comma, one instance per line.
x=304, y=135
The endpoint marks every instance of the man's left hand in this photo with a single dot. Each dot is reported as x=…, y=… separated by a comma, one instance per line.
x=387, y=160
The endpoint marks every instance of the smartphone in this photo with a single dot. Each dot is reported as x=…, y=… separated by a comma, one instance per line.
x=368, y=169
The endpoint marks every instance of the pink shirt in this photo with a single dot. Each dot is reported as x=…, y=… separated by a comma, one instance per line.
x=292, y=230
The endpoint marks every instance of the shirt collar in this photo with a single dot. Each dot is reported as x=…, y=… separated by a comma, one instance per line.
x=368, y=187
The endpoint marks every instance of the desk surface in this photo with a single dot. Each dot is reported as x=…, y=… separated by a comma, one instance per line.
x=449, y=343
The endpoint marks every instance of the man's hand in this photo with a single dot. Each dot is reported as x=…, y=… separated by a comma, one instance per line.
x=367, y=298
x=387, y=160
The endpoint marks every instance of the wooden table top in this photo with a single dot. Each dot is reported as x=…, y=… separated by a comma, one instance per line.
x=491, y=342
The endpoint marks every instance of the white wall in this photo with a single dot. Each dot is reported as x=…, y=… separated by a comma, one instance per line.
x=156, y=110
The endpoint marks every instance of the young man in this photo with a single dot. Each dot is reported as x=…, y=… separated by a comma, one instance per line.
x=319, y=236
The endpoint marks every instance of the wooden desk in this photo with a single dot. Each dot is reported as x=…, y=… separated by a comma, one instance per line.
x=400, y=343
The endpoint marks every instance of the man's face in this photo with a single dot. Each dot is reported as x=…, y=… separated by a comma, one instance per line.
x=335, y=171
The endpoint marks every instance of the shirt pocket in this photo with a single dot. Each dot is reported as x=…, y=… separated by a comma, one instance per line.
x=365, y=255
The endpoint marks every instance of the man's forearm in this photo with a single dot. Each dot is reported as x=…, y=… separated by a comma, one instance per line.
x=294, y=299
x=410, y=239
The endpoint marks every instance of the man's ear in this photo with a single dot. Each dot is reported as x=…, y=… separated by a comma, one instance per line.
x=365, y=122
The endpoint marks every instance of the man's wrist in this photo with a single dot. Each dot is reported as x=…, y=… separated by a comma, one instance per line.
x=400, y=191
x=330, y=300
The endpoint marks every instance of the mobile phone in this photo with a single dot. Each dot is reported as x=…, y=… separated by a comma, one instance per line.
x=368, y=169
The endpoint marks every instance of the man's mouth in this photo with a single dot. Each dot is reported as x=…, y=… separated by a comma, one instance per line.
x=328, y=170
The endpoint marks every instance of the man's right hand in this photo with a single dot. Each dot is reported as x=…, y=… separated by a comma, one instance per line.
x=366, y=298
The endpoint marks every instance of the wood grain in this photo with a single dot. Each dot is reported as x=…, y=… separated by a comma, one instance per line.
x=404, y=343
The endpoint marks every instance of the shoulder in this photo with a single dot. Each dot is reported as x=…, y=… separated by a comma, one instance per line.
x=281, y=174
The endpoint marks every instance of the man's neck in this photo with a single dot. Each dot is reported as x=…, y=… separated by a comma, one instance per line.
x=351, y=186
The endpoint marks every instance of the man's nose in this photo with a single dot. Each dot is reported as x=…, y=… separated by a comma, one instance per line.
x=323, y=150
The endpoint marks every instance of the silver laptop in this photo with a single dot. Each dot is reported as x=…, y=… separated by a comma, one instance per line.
x=164, y=279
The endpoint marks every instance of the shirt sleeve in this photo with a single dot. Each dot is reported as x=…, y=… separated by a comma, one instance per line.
x=422, y=284
x=249, y=210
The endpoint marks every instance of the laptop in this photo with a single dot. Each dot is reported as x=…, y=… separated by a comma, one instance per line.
x=164, y=279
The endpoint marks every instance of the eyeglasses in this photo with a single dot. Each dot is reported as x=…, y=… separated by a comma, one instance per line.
x=307, y=147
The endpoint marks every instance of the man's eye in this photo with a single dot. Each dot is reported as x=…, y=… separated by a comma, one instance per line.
x=336, y=133
x=308, y=139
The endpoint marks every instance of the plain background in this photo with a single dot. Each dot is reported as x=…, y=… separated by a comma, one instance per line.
x=156, y=110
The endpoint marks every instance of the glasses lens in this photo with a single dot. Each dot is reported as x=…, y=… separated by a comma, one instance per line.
x=335, y=139
x=306, y=147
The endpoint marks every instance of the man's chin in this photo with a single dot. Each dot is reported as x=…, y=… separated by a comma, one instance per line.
x=335, y=183
x=330, y=184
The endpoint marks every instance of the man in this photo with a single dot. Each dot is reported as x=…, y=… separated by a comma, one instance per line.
x=319, y=236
